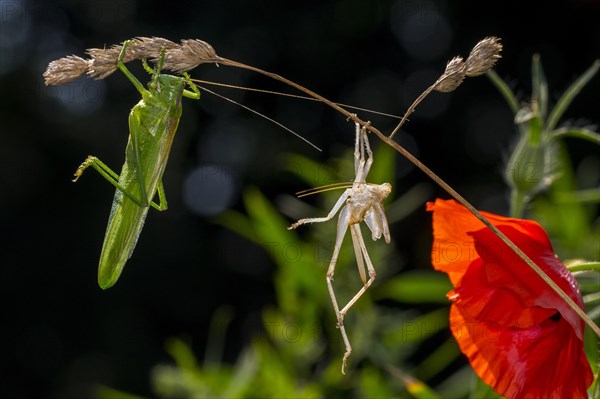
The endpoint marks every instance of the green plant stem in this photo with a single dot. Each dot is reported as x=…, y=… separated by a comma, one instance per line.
x=580, y=312
x=517, y=203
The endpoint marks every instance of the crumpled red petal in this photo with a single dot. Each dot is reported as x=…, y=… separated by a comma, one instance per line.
x=518, y=334
x=453, y=247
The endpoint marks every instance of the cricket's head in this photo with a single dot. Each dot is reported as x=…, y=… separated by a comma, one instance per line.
x=382, y=190
x=168, y=87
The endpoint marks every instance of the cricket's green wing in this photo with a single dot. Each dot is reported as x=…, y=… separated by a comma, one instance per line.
x=124, y=227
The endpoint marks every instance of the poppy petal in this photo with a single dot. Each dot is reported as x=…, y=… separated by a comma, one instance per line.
x=506, y=271
x=542, y=361
x=453, y=247
x=520, y=337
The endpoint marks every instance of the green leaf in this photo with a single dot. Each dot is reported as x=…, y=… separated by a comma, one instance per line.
x=417, y=287
x=181, y=353
x=439, y=359
x=570, y=94
x=268, y=223
x=417, y=388
x=579, y=133
x=481, y=390
x=417, y=330
x=373, y=384
x=539, y=93
x=591, y=196
x=579, y=266
x=239, y=223
x=503, y=88
x=383, y=170
x=313, y=173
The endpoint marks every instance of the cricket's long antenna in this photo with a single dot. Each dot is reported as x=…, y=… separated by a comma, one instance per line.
x=278, y=93
x=259, y=114
x=328, y=187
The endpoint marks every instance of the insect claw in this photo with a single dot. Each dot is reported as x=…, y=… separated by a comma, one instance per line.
x=345, y=360
x=78, y=172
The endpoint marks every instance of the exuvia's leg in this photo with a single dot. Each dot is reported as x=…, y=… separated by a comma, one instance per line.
x=113, y=179
x=357, y=152
x=357, y=237
x=341, y=231
x=358, y=255
x=329, y=216
x=369, y=160
x=362, y=163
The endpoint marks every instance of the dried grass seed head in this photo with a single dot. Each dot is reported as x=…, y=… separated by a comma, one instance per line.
x=149, y=47
x=65, y=70
x=188, y=55
x=483, y=56
x=104, y=61
x=452, y=76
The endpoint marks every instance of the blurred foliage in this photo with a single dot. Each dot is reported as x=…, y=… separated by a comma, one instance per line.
x=399, y=329
x=543, y=180
x=539, y=160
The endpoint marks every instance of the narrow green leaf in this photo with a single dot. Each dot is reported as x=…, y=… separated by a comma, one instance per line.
x=417, y=388
x=570, y=94
x=313, y=173
x=592, y=298
x=384, y=169
x=268, y=223
x=539, y=86
x=373, y=383
x=503, y=88
x=417, y=287
x=480, y=389
x=439, y=359
x=595, y=388
x=419, y=329
x=535, y=130
x=239, y=223
x=579, y=133
x=181, y=353
x=583, y=266
x=591, y=196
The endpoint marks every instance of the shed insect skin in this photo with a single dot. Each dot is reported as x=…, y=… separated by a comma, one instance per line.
x=361, y=202
x=152, y=126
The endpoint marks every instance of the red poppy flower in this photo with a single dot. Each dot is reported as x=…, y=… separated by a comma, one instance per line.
x=520, y=337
